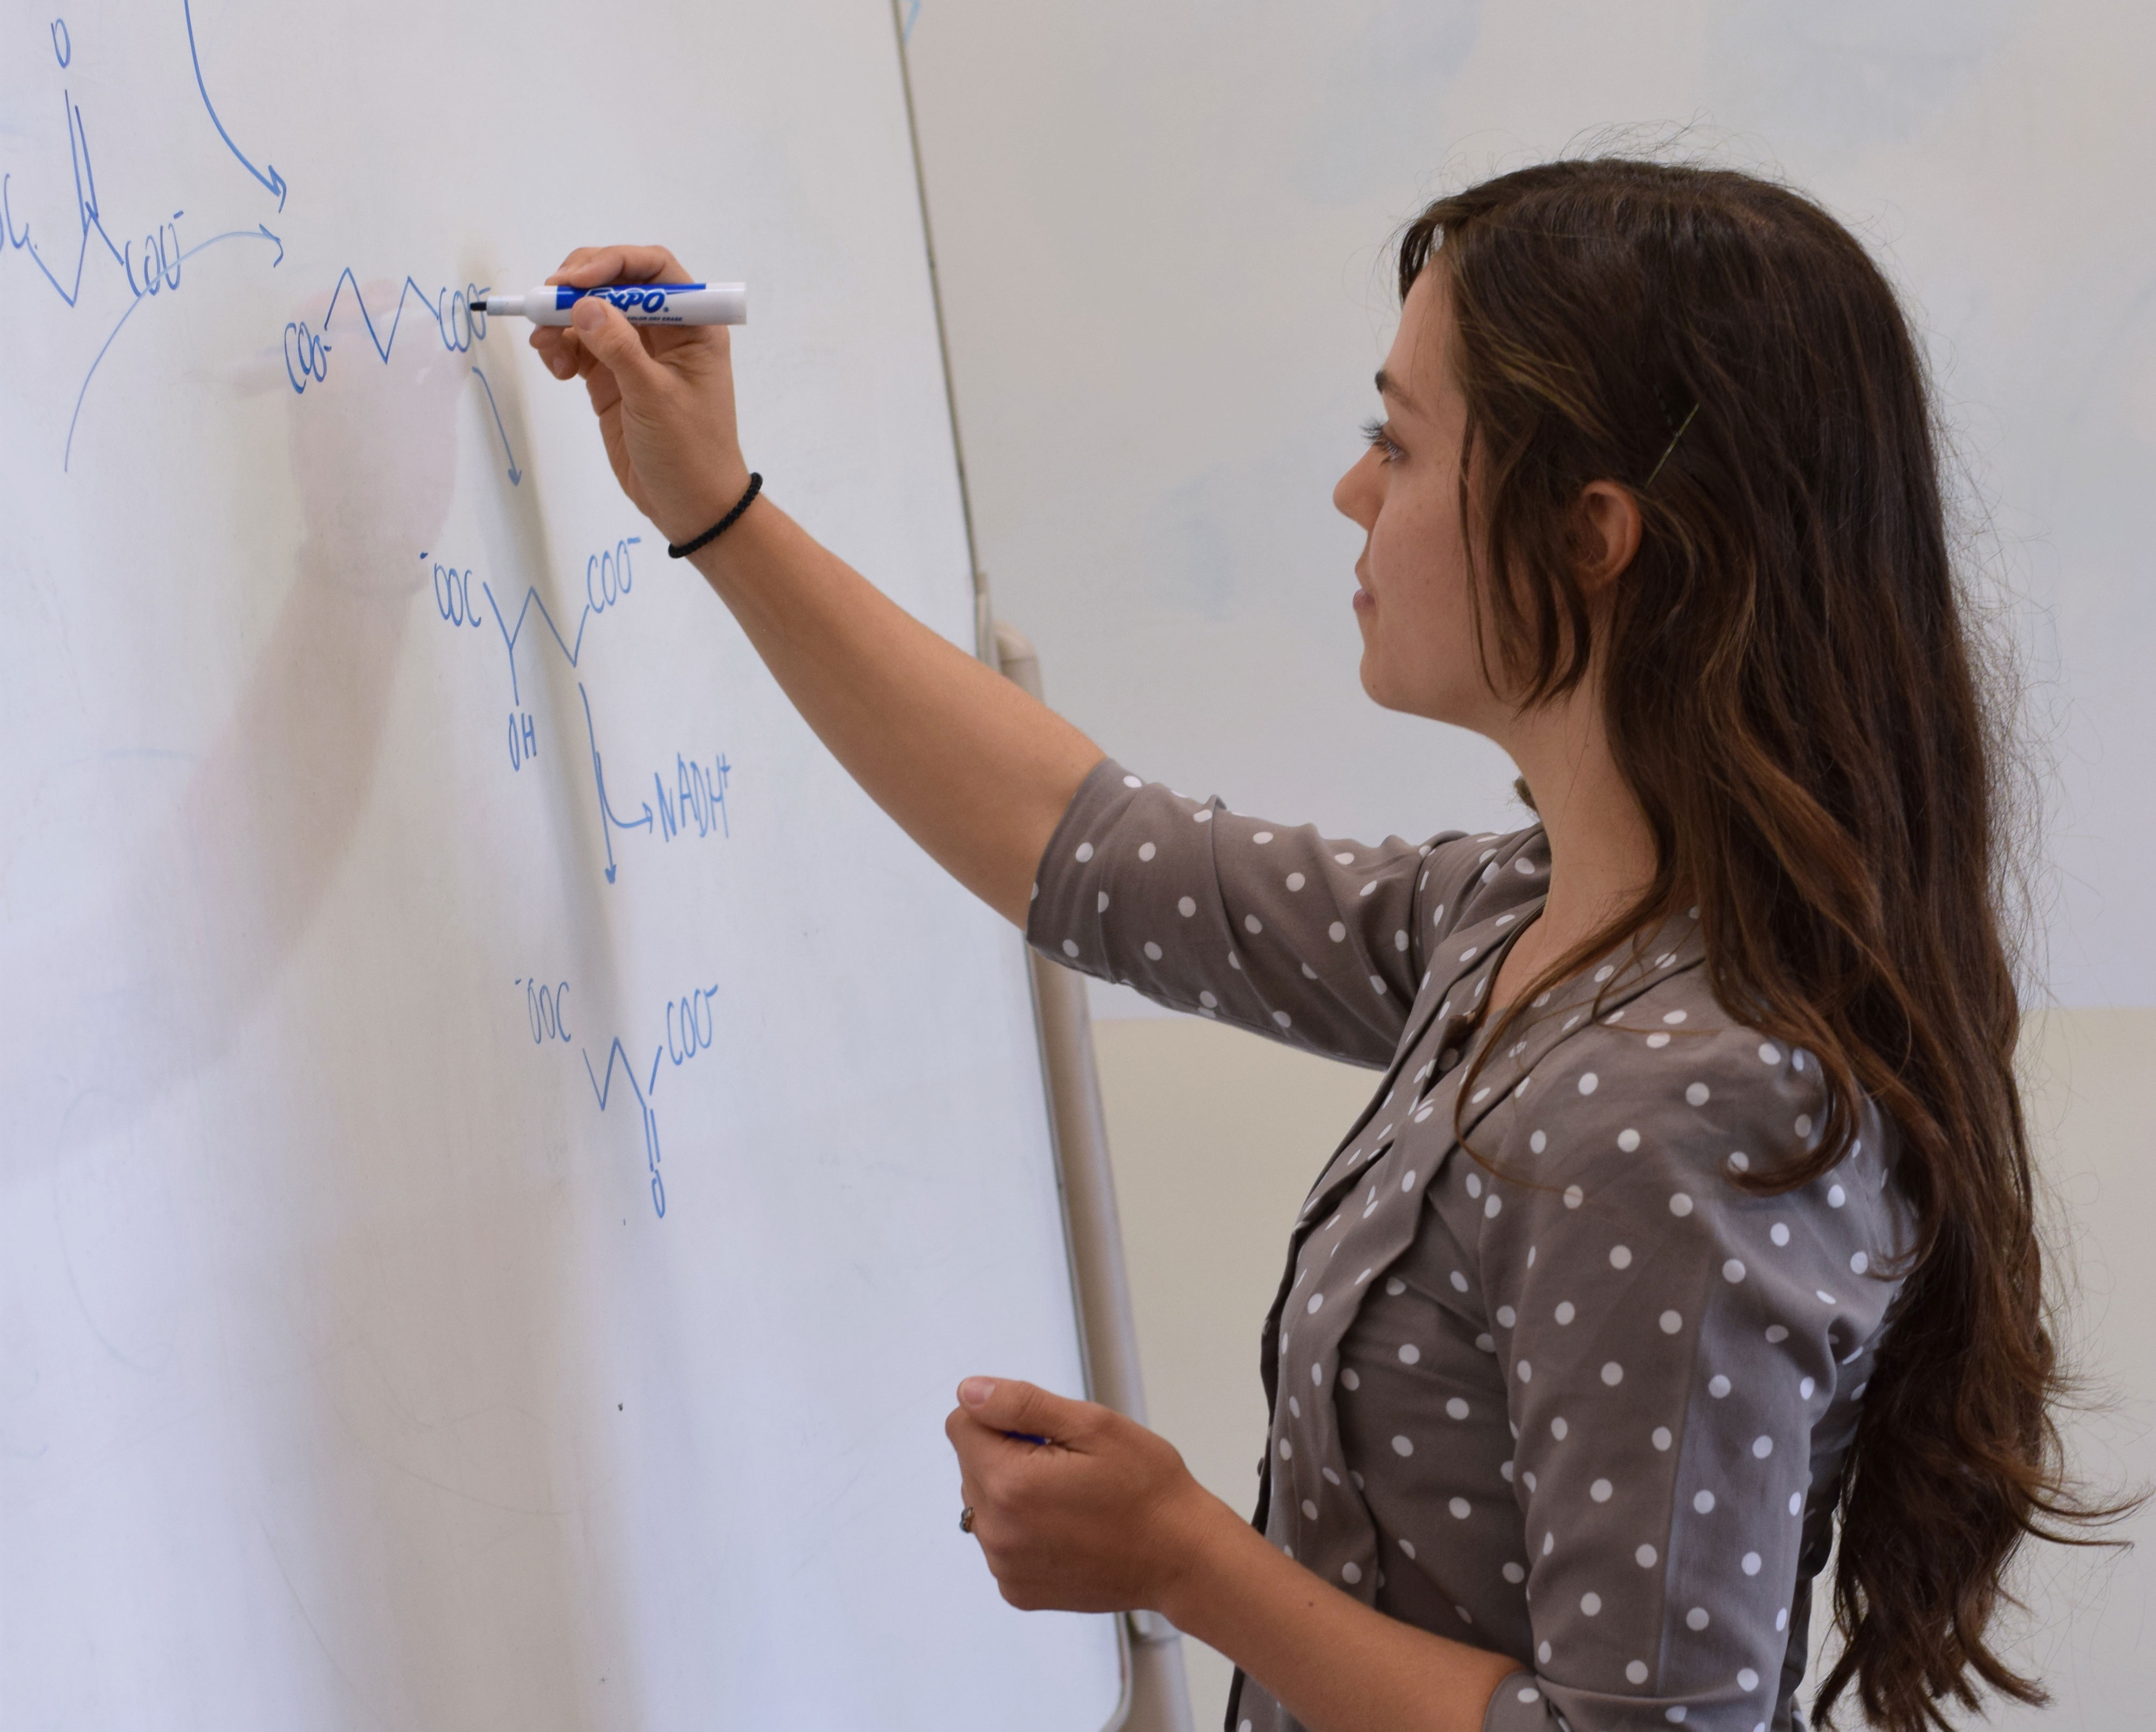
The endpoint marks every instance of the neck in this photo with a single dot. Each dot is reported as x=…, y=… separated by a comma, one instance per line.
x=1602, y=853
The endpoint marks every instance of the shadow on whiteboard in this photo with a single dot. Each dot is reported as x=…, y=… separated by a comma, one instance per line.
x=177, y=947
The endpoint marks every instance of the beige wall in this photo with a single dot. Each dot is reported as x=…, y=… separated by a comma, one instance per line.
x=1216, y=1135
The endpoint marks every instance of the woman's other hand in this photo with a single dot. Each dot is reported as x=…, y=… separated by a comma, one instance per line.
x=1103, y=1517
x=664, y=394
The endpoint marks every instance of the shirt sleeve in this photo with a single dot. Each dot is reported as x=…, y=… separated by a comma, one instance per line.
x=1309, y=940
x=1676, y=1350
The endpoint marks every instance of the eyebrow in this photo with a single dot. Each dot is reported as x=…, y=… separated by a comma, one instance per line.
x=1388, y=385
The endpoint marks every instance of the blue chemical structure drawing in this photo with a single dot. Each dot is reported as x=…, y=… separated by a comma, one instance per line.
x=603, y=1086
x=609, y=575
x=694, y=805
x=547, y=1009
x=691, y=806
x=690, y=1029
x=151, y=259
x=159, y=269
x=133, y=246
x=457, y=322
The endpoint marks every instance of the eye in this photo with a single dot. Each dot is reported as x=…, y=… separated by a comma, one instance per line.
x=1379, y=435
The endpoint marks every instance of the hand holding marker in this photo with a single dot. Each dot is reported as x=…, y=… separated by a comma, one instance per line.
x=663, y=392
x=639, y=303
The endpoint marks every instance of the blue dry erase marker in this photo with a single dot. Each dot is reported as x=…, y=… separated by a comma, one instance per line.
x=640, y=303
x=1028, y=1437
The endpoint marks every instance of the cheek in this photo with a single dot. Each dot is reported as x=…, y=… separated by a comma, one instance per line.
x=1416, y=559
x=1423, y=653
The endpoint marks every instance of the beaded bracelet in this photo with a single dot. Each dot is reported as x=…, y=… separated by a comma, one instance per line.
x=683, y=550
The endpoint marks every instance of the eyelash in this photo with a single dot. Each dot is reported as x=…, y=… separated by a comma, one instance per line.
x=1377, y=434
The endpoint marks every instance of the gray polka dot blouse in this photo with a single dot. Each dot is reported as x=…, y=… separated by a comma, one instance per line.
x=1575, y=1397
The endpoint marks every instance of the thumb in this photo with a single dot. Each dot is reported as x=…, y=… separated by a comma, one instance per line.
x=613, y=341
x=1008, y=1405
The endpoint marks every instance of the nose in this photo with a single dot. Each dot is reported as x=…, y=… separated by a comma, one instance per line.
x=1356, y=493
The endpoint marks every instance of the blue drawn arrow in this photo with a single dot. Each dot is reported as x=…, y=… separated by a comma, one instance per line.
x=261, y=233
x=516, y=475
x=607, y=817
x=273, y=180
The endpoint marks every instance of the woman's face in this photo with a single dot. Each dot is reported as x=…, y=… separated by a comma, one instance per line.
x=1418, y=649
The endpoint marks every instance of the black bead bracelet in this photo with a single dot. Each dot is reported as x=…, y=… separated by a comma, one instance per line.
x=683, y=549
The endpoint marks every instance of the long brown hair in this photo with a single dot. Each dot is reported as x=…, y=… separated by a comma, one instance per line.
x=1793, y=691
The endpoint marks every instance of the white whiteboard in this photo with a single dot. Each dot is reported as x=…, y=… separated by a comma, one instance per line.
x=351, y=1374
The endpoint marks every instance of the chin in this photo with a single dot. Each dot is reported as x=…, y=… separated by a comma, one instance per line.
x=1366, y=674
x=1411, y=697
x=1386, y=694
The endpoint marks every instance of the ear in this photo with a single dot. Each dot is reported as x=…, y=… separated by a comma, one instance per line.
x=1609, y=534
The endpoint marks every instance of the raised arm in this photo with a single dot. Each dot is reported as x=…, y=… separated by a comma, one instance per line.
x=973, y=770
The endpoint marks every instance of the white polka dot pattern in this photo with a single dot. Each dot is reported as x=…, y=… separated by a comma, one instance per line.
x=1591, y=1360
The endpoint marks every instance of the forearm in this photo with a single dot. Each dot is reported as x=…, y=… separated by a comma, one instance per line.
x=972, y=769
x=1337, y=1664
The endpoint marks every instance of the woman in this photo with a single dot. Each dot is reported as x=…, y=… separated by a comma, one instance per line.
x=1693, y=1210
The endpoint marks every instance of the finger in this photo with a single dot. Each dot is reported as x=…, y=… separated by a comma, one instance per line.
x=601, y=386
x=567, y=358
x=614, y=342
x=548, y=338
x=587, y=267
x=580, y=358
x=971, y=1442
x=578, y=259
x=1010, y=1404
x=984, y=1455
x=554, y=352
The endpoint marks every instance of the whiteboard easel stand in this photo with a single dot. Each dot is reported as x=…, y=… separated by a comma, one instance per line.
x=1156, y=1694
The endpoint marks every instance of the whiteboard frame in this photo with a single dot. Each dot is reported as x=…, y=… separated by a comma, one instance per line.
x=1154, y=1696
